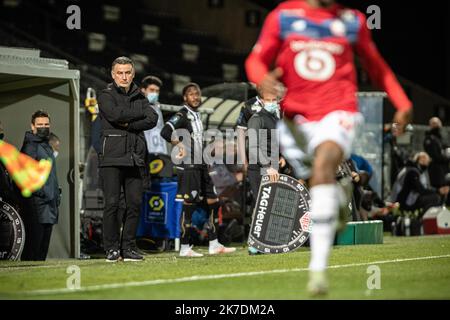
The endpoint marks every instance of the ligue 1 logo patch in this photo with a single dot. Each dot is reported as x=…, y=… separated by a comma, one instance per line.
x=281, y=218
x=156, y=166
x=156, y=203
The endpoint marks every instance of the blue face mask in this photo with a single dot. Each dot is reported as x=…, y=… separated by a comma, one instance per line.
x=152, y=97
x=272, y=107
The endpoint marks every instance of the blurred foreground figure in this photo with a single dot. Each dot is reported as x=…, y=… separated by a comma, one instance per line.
x=28, y=174
x=312, y=43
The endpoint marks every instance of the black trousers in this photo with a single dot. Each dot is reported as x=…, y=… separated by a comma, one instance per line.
x=254, y=177
x=114, y=179
x=37, y=240
x=429, y=200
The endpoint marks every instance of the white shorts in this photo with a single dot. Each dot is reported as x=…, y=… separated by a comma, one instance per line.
x=339, y=126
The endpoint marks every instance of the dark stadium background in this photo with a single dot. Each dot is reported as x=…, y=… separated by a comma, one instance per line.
x=414, y=39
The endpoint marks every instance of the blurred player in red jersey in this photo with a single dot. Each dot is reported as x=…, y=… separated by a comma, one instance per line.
x=311, y=45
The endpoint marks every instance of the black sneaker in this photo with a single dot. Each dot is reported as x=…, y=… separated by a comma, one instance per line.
x=112, y=256
x=131, y=255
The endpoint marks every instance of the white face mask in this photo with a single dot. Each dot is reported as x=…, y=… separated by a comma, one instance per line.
x=273, y=107
x=55, y=154
x=153, y=97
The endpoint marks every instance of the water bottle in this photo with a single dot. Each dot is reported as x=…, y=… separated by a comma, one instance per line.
x=393, y=228
x=407, y=222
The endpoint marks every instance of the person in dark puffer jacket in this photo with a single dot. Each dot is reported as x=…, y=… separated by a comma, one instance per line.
x=41, y=209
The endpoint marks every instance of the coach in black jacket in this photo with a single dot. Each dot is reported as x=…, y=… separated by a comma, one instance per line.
x=125, y=113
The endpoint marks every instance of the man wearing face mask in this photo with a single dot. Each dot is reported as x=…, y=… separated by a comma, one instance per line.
x=41, y=209
x=150, y=88
x=265, y=119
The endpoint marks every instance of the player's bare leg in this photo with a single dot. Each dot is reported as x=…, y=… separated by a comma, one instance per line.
x=325, y=195
x=215, y=247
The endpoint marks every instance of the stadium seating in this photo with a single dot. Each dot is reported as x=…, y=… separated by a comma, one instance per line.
x=164, y=47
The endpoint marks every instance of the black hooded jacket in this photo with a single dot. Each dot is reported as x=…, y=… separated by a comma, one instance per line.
x=413, y=188
x=44, y=202
x=124, y=116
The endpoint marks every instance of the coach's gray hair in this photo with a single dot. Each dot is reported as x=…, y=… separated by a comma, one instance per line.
x=419, y=155
x=122, y=60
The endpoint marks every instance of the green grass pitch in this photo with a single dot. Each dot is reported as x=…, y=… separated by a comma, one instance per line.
x=410, y=268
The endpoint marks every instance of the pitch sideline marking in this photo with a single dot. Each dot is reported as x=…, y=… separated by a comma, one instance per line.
x=215, y=276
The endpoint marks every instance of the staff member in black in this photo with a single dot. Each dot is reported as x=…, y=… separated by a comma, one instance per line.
x=249, y=108
x=265, y=119
x=435, y=147
x=40, y=211
x=124, y=113
x=194, y=183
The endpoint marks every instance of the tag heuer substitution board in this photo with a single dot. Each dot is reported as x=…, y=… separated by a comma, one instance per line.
x=281, y=218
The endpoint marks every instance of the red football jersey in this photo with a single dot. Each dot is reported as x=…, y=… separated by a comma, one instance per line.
x=315, y=48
